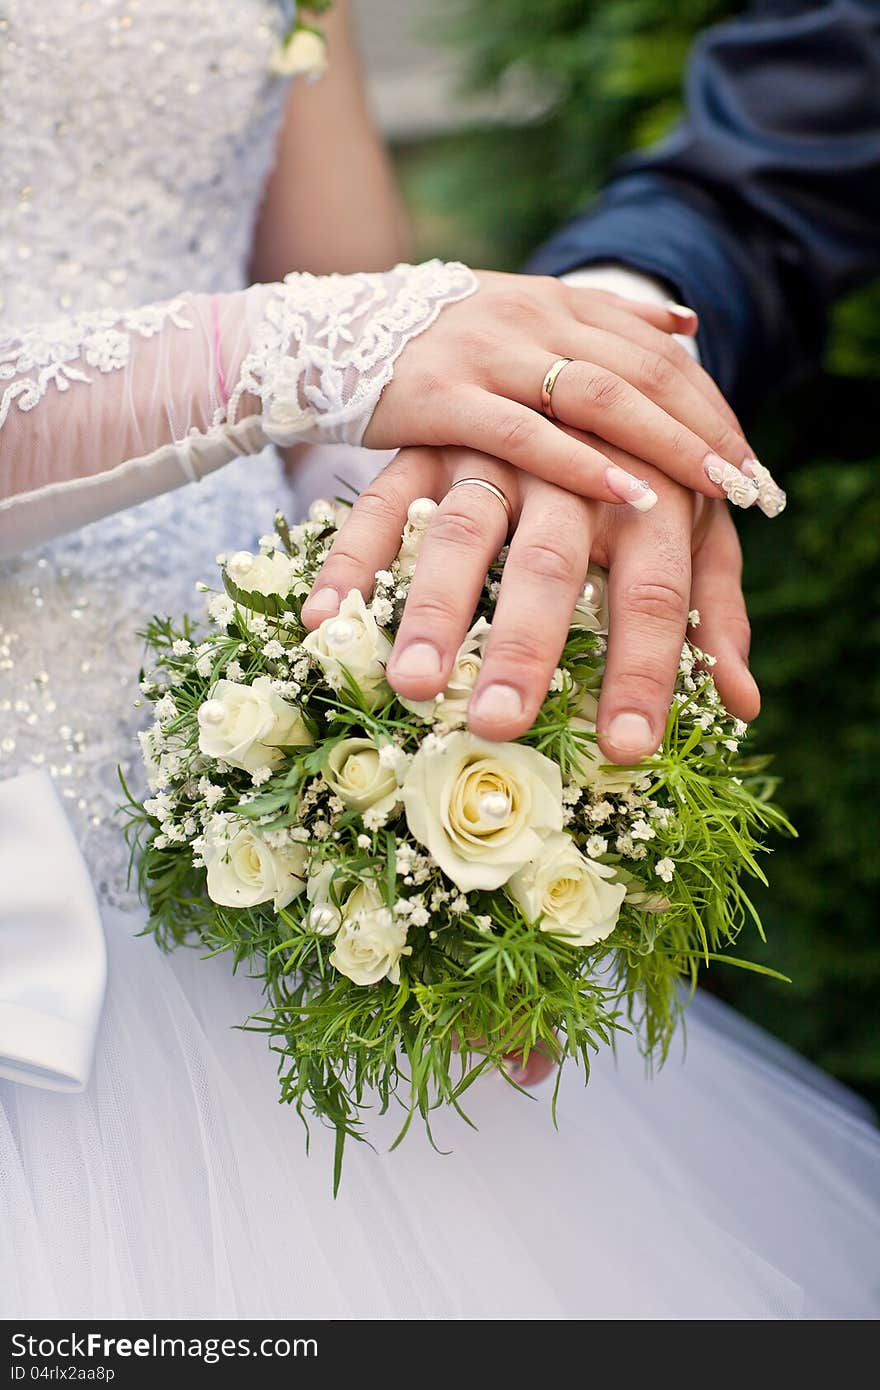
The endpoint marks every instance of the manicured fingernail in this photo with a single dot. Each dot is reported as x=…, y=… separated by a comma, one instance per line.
x=771, y=498
x=497, y=704
x=635, y=491
x=516, y=1073
x=737, y=487
x=681, y=311
x=418, y=659
x=321, y=604
x=631, y=734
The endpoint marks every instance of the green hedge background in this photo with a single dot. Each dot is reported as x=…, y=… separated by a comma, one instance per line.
x=606, y=75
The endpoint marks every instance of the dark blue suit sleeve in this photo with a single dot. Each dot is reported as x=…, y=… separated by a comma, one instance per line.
x=763, y=206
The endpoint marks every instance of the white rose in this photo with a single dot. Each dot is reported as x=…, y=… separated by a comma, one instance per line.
x=570, y=894
x=482, y=809
x=246, y=725
x=370, y=942
x=243, y=870
x=352, y=642
x=357, y=776
x=452, y=708
x=302, y=55
x=591, y=610
x=590, y=769
x=262, y=574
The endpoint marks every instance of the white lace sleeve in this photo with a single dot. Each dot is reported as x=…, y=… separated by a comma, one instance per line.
x=100, y=412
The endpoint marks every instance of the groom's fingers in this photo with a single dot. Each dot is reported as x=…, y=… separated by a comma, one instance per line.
x=543, y=575
x=464, y=537
x=649, y=565
x=370, y=536
x=716, y=594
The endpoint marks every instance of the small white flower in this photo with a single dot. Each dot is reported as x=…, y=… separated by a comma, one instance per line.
x=364, y=842
x=694, y=618
x=384, y=579
x=641, y=830
x=205, y=665
x=597, y=845
x=665, y=869
x=234, y=671
x=602, y=811
x=273, y=650
x=483, y=923
x=261, y=775
x=166, y=709
x=221, y=609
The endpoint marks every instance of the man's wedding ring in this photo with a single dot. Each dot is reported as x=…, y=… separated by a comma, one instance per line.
x=490, y=487
x=549, y=382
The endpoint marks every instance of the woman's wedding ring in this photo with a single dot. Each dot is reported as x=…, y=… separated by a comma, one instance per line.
x=490, y=487
x=549, y=382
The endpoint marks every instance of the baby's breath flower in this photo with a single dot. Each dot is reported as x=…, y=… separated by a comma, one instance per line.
x=181, y=647
x=597, y=845
x=665, y=869
x=261, y=775
x=600, y=812
x=364, y=842
x=166, y=709
x=221, y=609
x=273, y=650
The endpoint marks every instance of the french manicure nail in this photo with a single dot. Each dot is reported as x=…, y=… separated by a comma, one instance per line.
x=635, y=491
x=497, y=703
x=322, y=604
x=418, y=659
x=771, y=498
x=681, y=311
x=631, y=733
x=737, y=487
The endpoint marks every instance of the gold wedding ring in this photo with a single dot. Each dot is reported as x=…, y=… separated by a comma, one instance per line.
x=495, y=491
x=549, y=382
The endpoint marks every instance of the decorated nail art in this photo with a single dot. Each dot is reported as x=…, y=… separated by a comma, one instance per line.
x=737, y=487
x=771, y=498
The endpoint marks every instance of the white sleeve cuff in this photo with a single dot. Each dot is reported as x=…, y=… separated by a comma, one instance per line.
x=630, y=284
x=53, y=962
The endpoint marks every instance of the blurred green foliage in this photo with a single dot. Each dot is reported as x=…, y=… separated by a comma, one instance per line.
x=605, y=76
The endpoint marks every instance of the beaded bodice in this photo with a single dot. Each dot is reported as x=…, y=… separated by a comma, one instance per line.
x=135, y=140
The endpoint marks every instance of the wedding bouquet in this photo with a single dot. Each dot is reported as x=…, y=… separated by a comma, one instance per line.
x=420, y=903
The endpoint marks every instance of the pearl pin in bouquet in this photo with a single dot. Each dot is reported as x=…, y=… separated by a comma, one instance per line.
x=420, y=903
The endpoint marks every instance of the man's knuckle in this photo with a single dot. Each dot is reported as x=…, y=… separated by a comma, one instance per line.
x=430, y=610
x=662, y=600
x=456, y=527
x=546, y=558
x=517, y=653
x=382, y=505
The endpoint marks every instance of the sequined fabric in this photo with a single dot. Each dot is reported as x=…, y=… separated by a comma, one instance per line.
x=135, y=140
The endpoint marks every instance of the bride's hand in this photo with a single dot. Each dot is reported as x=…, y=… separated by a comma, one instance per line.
x=474, y=378
x=681, y=556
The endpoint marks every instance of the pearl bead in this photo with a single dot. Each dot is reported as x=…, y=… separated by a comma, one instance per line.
x=211, y=713
x=340, y=632
x=590, y=593
x=494, y=806
x=421, y=511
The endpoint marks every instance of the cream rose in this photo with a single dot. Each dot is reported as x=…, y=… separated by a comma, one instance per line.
x=244, y=871
x=591, y=610
x=246, y=725
x=356, y=775
x=304, y=54
x=352, y=642
x=370, y=942
x=570, y=895
x=271, y=574
x=590, y=768
x=452, y=708
x=482, y=809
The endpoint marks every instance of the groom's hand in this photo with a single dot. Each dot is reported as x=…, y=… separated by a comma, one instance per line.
x=683, y=554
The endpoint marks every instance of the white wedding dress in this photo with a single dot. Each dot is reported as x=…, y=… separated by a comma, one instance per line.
x=135, y=140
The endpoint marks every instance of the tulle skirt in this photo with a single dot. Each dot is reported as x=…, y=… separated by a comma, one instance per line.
x=738, y=1183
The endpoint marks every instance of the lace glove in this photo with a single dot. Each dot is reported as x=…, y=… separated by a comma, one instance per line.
x=101, y=411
